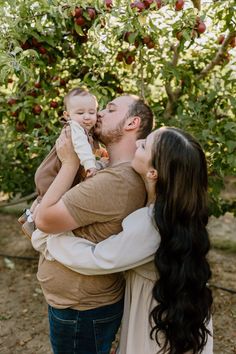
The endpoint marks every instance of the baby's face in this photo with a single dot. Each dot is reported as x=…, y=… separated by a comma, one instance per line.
x=83, y=109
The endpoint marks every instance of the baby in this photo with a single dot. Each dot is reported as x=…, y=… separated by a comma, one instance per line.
x=81, y=114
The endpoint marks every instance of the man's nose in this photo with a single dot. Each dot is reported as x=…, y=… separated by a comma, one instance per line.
x=100, y=114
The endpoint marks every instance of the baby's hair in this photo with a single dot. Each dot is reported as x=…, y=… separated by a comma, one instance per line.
x=77, y=91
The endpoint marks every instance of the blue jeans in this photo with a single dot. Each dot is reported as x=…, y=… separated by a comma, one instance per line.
x=84, y=332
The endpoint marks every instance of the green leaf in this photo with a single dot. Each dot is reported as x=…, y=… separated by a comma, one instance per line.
x=79, y=30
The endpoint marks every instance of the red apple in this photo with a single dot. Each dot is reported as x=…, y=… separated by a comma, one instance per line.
x=201, y=27
x=150, y=45
x=127, y=36
x=32, y=93
x=136, y=42
x=80, y=21
x=147, y=3
x=78, y=12
x=37, y=125
x=146, y=39
x=42, y=50
x=179, y=5
x=179, y=35
x=53, y=104
x=35, y=42
x=37, y=85
x=108, y=4
x=233, y=42
x=129, y=59
x=91, y=13
x=139, y=5
x=221, y=39
x=51, y=59
x=62, y=82
x=55, y=78
x=37, y=109
x=83, y=39
x=119, y=90
x=120, y=56
x=25, y=45
x=12, y=101
x=20, y=126
x=14, y=114
x=158, y=3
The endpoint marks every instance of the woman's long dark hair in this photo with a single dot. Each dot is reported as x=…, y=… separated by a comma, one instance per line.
x=181, y=214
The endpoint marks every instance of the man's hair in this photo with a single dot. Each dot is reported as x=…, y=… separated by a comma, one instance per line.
x=141, y=109
x=77, y=91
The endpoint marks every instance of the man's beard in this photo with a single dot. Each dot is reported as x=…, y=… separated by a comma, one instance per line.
x=110, y=136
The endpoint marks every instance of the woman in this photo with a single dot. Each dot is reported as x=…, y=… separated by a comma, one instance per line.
x=167, y=303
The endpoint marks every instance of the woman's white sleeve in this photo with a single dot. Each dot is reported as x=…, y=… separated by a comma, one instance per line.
x=39, y=242
x=133, y=246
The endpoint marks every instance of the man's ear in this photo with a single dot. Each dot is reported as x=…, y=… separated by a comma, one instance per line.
x=152, y=174
x=132, y=123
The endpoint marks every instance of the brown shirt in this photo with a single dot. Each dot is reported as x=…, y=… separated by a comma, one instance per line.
x=50, y=166
x=48, y=170
x=98, y=205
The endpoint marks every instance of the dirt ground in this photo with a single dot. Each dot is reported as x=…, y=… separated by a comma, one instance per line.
x=23, y=312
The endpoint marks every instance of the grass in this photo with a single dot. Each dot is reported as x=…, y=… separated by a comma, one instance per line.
x=15, y=210
x=224, y=245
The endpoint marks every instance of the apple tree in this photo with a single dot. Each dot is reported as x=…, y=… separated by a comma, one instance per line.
x=179, y=55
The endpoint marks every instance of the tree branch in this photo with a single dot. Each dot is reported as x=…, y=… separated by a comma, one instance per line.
x=18, y=201
x=142, y=90
x=218, y=57
x=197, y=4
x=173, y=95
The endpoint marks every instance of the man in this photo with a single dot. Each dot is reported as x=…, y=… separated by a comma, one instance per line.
x=85, y=311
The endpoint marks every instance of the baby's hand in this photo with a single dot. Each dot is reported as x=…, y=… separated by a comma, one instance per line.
x=91, y=172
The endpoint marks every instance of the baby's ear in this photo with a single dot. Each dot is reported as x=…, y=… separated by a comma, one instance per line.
x=66, y=115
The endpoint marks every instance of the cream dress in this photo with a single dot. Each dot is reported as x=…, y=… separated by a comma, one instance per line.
x=135, y=329
x=132, y=248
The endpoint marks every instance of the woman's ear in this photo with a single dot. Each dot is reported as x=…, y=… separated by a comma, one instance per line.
x=132, y=123
x=152, y=174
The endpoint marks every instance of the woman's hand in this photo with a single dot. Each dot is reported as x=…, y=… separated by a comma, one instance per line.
x=65, y=149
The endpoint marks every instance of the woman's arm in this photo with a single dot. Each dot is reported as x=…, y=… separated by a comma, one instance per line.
x=132, y=247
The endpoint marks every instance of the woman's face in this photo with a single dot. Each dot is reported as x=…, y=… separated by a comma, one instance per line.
x=142, y=161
